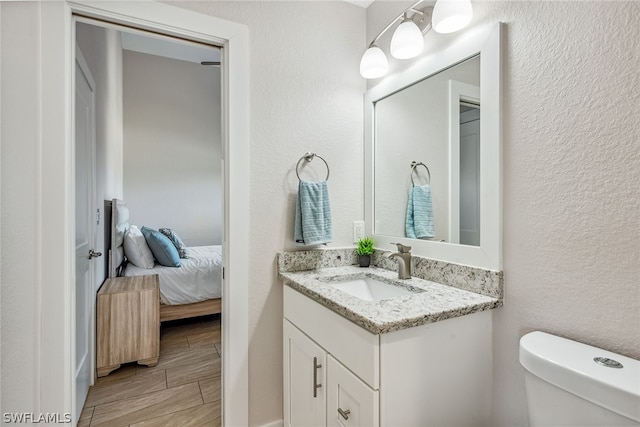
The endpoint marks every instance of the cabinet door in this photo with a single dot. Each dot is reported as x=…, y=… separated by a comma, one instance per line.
x=304, y=380
x=350, y=401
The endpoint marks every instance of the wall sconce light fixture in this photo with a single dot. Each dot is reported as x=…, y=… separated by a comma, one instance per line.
x=450, y=16
x=407, y=41
x=374, y=63
x=447, y=16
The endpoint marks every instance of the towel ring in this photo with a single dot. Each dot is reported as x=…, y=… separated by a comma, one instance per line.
x=414, y=165
x=309, y=157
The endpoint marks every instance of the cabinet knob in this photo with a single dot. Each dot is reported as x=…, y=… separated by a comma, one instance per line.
x=344, y=414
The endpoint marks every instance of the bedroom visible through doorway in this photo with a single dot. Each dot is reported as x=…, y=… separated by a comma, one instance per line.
x=159, y=148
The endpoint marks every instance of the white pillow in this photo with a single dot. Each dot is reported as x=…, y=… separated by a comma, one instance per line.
x=136, y=248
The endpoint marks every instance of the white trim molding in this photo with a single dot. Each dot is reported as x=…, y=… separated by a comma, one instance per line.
x=55, y=263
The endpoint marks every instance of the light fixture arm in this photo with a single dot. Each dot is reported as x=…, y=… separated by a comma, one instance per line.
x=375, y=39
x=411, y=8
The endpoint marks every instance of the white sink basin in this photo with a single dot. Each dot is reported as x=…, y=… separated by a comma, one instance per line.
x=369, y=289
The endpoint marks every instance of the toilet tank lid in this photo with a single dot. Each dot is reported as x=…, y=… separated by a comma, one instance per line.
x=570, y=366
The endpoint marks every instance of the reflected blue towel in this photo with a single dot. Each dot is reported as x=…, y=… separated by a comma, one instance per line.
x=419, y=222
x=313, y=214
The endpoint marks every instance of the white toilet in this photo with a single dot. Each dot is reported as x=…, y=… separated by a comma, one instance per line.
x=567, y=387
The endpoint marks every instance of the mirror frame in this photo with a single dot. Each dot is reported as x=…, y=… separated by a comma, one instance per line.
x=485, y=41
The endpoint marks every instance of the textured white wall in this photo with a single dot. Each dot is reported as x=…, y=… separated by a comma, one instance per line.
x=19, y=179
x=571, y=169
x=172, y=146
x=571, y=174
x=102, y=49
x=306, y=95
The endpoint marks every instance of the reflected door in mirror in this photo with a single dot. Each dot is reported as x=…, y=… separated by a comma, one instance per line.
x=469, y=175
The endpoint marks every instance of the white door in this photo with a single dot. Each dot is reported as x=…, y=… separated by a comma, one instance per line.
x=86, y=230
x=304, y=380
x=350, y=402
x=470, y=177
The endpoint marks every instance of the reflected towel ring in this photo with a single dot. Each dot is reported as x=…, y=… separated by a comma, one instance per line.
x=309, y=157
x=413, y=168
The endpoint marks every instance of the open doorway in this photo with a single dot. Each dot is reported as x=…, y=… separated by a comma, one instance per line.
x=54, y=271
x=159, y=148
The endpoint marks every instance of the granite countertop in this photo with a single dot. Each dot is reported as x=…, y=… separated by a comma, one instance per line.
x=436, y=302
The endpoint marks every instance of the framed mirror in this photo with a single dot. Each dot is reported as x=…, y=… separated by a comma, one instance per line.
x=433, y=154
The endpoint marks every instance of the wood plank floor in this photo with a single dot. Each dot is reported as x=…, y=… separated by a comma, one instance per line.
x=182, y=390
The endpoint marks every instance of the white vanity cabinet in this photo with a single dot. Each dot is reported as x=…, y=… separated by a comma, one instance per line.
x=304, y=379
x=350, y=402
x=433, y=374
x=320, y=390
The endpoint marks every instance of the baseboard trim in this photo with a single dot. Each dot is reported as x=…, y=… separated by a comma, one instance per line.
x=279, y=423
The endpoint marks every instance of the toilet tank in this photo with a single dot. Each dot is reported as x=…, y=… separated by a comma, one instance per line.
x=566, y=386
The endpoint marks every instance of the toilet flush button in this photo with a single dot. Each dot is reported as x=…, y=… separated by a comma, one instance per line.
x=609, y=363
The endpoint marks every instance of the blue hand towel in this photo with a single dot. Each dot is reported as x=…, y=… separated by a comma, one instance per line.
x=419, y=220
x=313, y=214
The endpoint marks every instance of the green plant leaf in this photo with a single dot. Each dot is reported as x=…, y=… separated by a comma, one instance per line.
x=365, y=246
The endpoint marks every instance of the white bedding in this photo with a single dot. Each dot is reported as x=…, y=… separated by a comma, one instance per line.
x=198, y=278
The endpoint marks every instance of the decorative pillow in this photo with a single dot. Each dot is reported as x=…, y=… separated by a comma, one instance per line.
x=136, y=248
x=163, y=250
x=177, y=241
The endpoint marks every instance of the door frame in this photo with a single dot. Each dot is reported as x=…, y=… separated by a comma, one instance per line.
x=57, y=59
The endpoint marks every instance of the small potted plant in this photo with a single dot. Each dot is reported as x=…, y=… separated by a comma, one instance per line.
x=365, y=250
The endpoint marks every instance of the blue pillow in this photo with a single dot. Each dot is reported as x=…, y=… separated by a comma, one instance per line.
x=161, y=247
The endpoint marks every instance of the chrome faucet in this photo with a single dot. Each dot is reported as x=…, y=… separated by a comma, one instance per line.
x=404, y=260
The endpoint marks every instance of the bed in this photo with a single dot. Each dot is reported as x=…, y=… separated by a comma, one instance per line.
x=193, y=289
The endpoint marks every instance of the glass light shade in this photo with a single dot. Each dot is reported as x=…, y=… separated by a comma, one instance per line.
x=407, y=41
x=450, y=16
x=374, y=63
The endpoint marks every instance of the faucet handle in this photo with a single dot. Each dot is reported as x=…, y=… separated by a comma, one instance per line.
x=402, y=248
